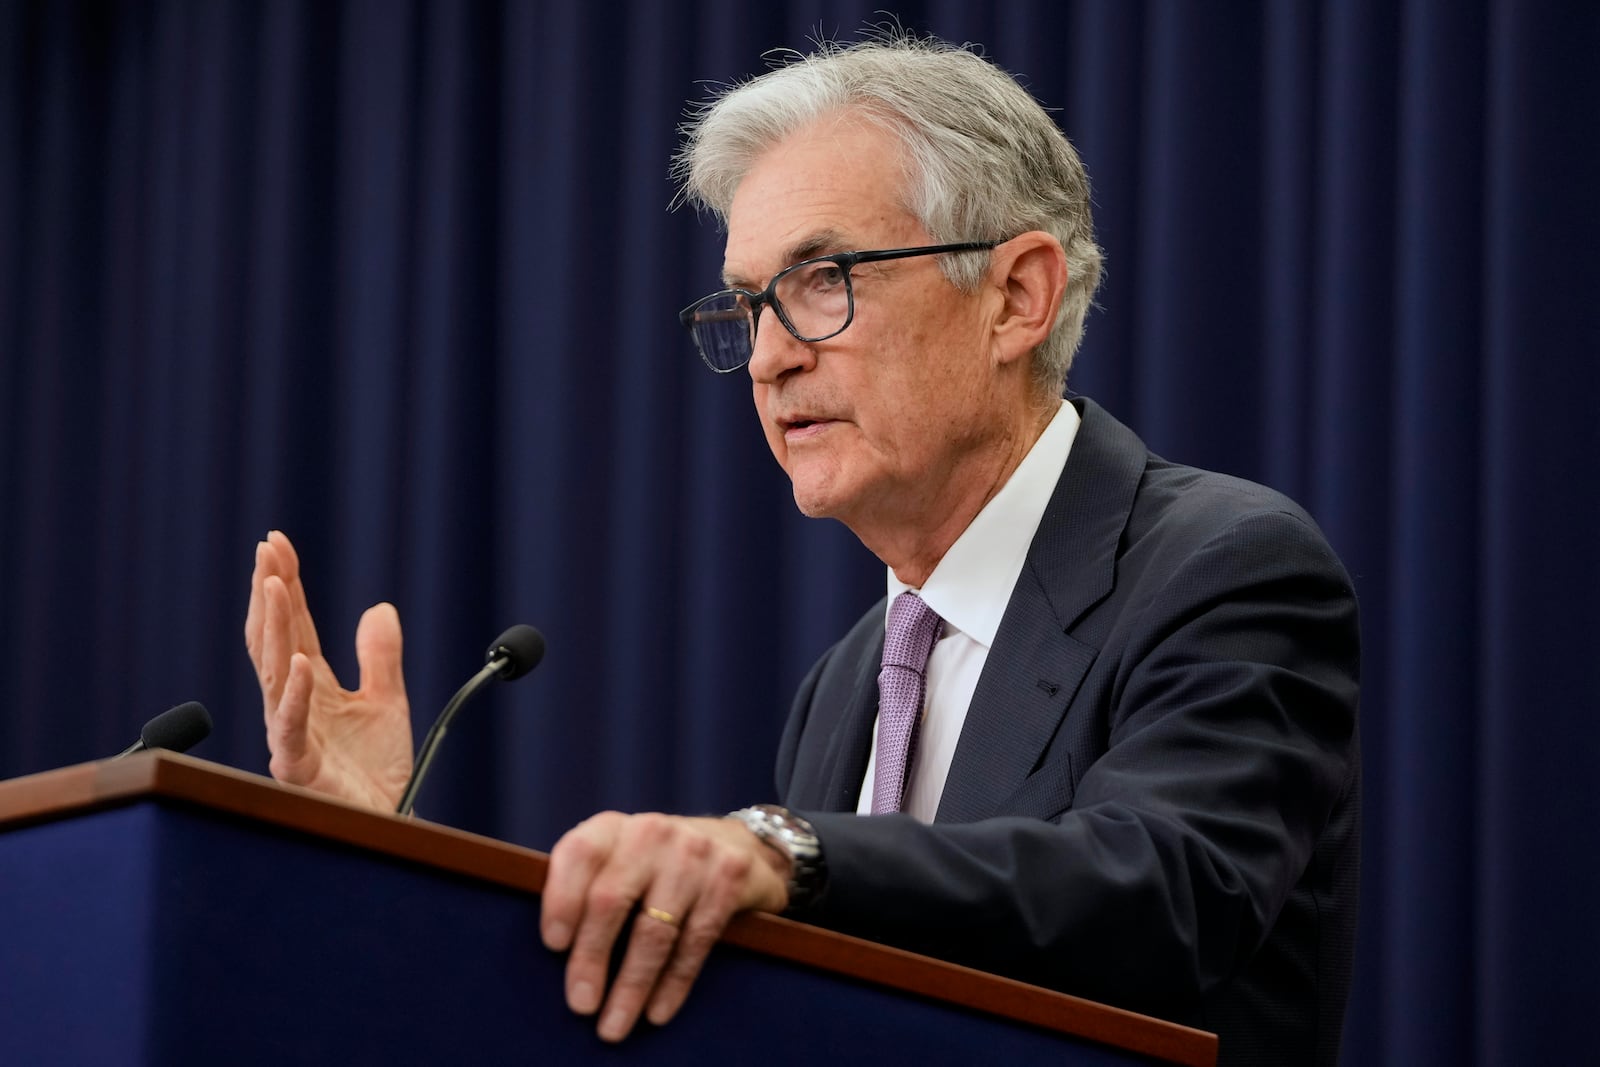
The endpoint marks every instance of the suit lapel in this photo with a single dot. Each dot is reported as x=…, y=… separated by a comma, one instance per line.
x=851, y=741
x=1036, y=665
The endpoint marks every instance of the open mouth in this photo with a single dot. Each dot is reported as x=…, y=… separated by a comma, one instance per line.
x=793, y=425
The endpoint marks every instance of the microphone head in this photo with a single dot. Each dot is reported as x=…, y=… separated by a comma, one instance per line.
x=178, y=729
x=521, y=647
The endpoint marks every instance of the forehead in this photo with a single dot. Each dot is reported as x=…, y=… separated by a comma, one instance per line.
x=837, y=184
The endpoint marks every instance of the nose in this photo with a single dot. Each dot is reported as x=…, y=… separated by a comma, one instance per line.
x=777, y=352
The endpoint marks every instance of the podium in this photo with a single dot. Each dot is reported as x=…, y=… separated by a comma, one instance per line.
x=165, y=910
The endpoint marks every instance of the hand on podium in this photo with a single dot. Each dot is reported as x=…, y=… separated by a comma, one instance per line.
x=352, y=745
x=688, y=877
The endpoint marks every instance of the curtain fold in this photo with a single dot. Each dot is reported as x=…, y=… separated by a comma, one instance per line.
x=402, y=280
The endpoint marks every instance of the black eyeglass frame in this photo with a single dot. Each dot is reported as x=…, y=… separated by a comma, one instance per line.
x=845, y=261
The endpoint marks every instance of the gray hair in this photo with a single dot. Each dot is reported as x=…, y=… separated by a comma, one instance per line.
x=983, y=159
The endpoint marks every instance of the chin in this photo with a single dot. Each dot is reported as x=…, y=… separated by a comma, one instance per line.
x=823, y=487
x=817, y=498
x=813, y=505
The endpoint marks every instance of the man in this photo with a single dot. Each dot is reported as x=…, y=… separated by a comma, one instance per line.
x=1116, y=746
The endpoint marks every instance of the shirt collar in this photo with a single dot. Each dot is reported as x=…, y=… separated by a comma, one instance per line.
x=971, y=586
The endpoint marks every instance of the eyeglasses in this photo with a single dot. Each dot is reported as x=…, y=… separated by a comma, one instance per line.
x=813, y=299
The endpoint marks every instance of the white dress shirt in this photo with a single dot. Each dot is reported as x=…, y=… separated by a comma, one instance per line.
x=970, y=588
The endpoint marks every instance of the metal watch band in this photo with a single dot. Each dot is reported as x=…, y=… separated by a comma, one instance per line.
x=793, y=836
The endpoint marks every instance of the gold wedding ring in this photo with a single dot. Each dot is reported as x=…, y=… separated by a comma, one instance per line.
x=661, y=916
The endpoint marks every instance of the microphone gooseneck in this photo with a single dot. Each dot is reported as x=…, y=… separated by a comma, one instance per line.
x=176, y=730
x=513, y=654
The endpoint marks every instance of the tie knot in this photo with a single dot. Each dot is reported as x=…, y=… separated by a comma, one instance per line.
x=913, y=627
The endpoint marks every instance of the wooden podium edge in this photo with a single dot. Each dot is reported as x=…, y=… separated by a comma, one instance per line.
x=58, y=794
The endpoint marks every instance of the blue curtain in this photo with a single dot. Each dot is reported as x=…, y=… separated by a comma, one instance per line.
x=400, y=278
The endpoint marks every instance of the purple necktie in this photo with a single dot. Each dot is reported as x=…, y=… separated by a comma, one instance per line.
x=913, y=628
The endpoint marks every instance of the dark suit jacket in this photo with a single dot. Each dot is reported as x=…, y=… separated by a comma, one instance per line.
x=1155, y=798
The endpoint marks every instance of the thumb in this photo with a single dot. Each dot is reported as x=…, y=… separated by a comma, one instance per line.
x=378, y=648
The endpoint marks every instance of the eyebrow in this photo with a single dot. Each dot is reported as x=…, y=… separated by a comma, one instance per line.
x=808, y=247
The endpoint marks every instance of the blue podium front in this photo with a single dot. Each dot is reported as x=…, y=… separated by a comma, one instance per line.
x=158, y=929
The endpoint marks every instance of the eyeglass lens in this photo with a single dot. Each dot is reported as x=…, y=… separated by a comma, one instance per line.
x=813, y=299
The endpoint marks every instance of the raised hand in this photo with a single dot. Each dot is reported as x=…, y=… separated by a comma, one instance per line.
x=354, y=745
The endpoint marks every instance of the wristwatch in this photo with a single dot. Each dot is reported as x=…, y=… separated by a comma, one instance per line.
x=795, y=838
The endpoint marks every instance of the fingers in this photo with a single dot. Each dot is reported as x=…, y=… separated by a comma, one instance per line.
x=267, y=565
x=701, y=929
x=276, y=644
x=584, y=912
x=378, y=653
x=255, y=615
x=276, y=557
x=285, y=563
x=351, y=745
x=668, y=890
x=287, y=682
x=288, y=725
x=652, y=945
x=694, y=872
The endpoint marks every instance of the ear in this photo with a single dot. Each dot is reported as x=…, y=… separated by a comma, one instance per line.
x=1029, y=274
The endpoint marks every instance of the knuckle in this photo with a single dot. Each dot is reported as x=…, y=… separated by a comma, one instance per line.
x=698, y=847
x=651, y=826
x=733, y=866
x=567, y=848
x=606, y=899
x=593, y=824
x=577, y=845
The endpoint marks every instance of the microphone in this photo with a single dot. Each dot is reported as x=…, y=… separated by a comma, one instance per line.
x=513, y=654
x=176, y=729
